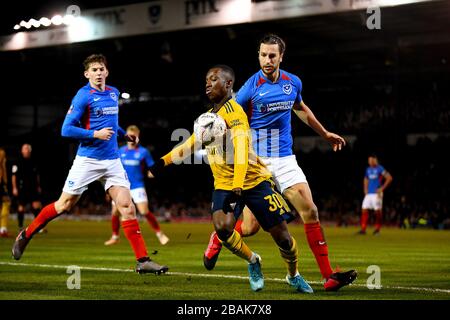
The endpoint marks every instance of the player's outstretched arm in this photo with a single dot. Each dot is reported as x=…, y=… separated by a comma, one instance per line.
x=177, y=155
x=307, y=116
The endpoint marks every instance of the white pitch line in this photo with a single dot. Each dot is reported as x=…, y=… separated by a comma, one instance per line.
x=205, y=275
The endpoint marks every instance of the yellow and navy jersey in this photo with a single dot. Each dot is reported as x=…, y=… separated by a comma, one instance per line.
x=234, y=163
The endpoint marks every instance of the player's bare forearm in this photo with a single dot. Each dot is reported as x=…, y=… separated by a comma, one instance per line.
x=366, y=185
x=307, y=116
x=181, y=152
x=387, y=181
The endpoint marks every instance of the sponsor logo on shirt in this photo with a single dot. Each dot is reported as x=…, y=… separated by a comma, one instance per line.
x=106, y=111
x=130, y=162
x=276, y=106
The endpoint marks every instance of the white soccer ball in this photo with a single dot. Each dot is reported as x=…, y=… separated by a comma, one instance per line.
x=209, y=127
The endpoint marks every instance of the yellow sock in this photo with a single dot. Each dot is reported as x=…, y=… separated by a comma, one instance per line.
x=237, y=246
x=4, y=214
x=291, y=258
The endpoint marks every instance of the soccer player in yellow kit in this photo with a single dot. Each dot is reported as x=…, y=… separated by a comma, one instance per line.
x=241, y=179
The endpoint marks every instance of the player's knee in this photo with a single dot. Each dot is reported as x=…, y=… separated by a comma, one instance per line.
x=311, y=213
x=223, y=229
x=223, y=234
x=126, y=209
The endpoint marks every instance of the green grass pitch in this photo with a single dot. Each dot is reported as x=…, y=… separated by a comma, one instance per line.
x=414, y=264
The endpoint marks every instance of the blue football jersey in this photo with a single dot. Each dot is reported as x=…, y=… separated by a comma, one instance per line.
x=375, y=176
x=94, y=110
x=135, y=161
x=269, y=107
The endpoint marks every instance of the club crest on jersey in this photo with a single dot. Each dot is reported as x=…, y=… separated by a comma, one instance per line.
x=113, y=96
x=287, y=88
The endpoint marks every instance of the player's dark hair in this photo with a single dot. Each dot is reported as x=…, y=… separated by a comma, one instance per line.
x=94, y=58
x=226, y=69
x=373, y=155
x=271, y=38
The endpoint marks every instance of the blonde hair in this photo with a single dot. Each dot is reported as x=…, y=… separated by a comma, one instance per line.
x=134, y=129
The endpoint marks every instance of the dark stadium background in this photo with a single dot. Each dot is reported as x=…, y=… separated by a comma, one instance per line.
x=378, y=85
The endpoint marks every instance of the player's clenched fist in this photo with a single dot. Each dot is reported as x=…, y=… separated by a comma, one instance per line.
x=104, y=134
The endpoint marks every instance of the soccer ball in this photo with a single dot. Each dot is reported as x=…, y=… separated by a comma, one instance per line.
x=209, y=127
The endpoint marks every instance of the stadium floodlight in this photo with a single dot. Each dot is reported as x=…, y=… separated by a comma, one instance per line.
x=28, y=25
x=125, y=95
x=16, y=27
x=80, y=29
x=23, y=23
x=57, y=20
x=34, y=23
x=68, y=19
x=45, y=21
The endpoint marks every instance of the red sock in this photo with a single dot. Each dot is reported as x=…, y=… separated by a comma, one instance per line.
x=152, y=221
x=47, y=214
x=115, y=221
x=319, y=247
x=133, y=234
x=238, y=227
x=378, y=219
x=364, y=219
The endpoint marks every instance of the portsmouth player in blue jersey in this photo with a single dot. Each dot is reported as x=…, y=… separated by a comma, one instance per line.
x=269, y=97
x=376, y=180
x=93, y=119
x=136, y=160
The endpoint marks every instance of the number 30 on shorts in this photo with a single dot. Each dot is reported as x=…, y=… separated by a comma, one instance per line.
x=275, y=201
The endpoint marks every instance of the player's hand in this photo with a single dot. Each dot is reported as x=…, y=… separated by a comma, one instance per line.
x=104, y=134
x=15, y=192
x=132, y=138
x=157, y=168
x=233, y=197
x=150, y=174
x=237, y=191
x=336, y=141
x=380, y=191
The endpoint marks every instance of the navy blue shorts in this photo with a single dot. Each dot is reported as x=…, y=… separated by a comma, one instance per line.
x=266, y=204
